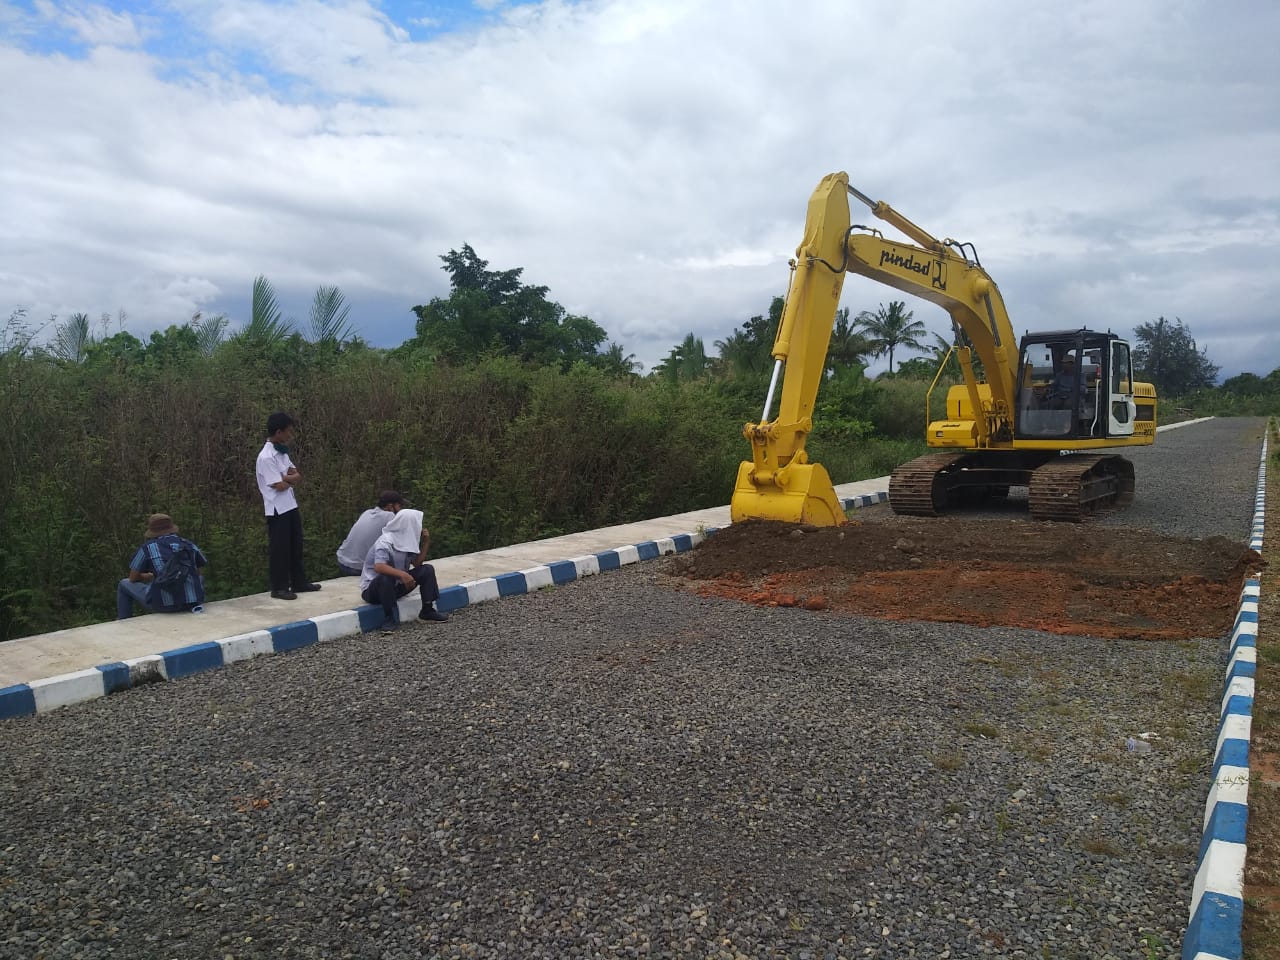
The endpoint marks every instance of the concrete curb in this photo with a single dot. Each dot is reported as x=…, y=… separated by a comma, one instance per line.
x=1214, y=931
x=41, y=696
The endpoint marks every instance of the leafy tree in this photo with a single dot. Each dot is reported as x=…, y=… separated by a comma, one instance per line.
x=121, y=349
x=1166, y=354
x=748, y=351
x=329, y=311
x=892, y=327
x=173, y=345
x=1246, y=385
x=917, y=368
x=490, y=312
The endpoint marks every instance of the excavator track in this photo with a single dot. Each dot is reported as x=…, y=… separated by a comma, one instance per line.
x=1060, y=488
x=1073, y=487
x=919, y=487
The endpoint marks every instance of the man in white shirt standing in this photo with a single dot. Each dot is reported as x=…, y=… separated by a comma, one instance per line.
x=367, y=529
x=277, y=476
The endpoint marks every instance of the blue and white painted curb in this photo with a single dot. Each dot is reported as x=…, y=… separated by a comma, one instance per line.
x=1214, y=931
x=41, y=696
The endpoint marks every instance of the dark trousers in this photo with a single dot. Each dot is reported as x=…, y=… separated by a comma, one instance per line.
x=284, y=541
x=385, y=590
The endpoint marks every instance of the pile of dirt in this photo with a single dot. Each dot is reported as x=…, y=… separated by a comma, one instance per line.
x=1098, y=581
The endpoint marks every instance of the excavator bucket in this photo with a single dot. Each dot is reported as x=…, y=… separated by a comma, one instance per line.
x=800, y=493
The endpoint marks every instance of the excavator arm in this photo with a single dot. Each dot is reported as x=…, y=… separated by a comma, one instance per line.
x=779, y=483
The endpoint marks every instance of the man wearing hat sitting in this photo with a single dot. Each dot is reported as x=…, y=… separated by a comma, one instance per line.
x=163, y=575
x=367, y=529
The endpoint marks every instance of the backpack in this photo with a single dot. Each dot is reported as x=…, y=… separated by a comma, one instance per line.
x=178, y=568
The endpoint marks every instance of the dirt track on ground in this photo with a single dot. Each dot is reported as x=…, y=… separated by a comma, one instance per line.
x=1082, y=579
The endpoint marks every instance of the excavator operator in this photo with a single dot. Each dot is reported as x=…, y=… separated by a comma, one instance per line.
x=1063, y=387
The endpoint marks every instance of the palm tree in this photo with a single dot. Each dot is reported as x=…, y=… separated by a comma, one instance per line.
x=687, y=361
x=848, y=345
x=693, y=358
x=71, y=340
x=940, y=347
x=268, y=326
x=329, y=312
x=892, y=327
x=209, y=331
x=616, y=362
x=740, y=355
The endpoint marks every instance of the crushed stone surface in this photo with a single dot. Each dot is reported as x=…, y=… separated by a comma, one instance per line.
x=621, y=768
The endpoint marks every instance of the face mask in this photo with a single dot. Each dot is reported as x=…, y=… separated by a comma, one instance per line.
x=281, y=447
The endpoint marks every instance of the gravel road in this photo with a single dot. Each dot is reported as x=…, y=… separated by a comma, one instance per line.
x=619, y=768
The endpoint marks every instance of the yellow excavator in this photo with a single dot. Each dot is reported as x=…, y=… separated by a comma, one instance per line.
x=1027, y=421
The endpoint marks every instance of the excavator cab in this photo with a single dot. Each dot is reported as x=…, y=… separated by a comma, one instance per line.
x=1074, y=385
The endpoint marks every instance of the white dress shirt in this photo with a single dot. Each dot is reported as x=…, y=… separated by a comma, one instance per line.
x=272, y=466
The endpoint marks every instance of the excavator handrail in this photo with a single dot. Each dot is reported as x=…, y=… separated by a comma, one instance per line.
x=928, y=397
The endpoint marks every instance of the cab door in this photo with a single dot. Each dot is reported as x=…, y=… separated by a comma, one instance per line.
x=1121, y=410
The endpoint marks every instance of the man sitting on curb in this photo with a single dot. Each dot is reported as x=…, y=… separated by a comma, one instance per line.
x=367, y=529
x=396, y=563
x=163, y=575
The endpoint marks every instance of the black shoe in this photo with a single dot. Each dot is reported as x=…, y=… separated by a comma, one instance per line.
x=283, y=595
x=433, y=615
x=308, y=588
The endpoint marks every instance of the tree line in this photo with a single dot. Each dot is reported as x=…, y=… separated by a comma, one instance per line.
x=504, y=417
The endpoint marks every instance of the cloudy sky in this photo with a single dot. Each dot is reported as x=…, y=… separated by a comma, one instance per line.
x=649, y=161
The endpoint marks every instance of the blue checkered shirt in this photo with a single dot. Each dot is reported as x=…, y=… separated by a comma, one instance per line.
x=151, y=557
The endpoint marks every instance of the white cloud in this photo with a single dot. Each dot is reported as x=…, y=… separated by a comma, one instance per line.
x=651, y=163
x=93, y=24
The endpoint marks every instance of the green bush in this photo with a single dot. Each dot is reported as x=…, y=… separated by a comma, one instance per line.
x=898, y=409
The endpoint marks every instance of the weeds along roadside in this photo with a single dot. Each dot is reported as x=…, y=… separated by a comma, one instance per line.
x=1262, y=865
